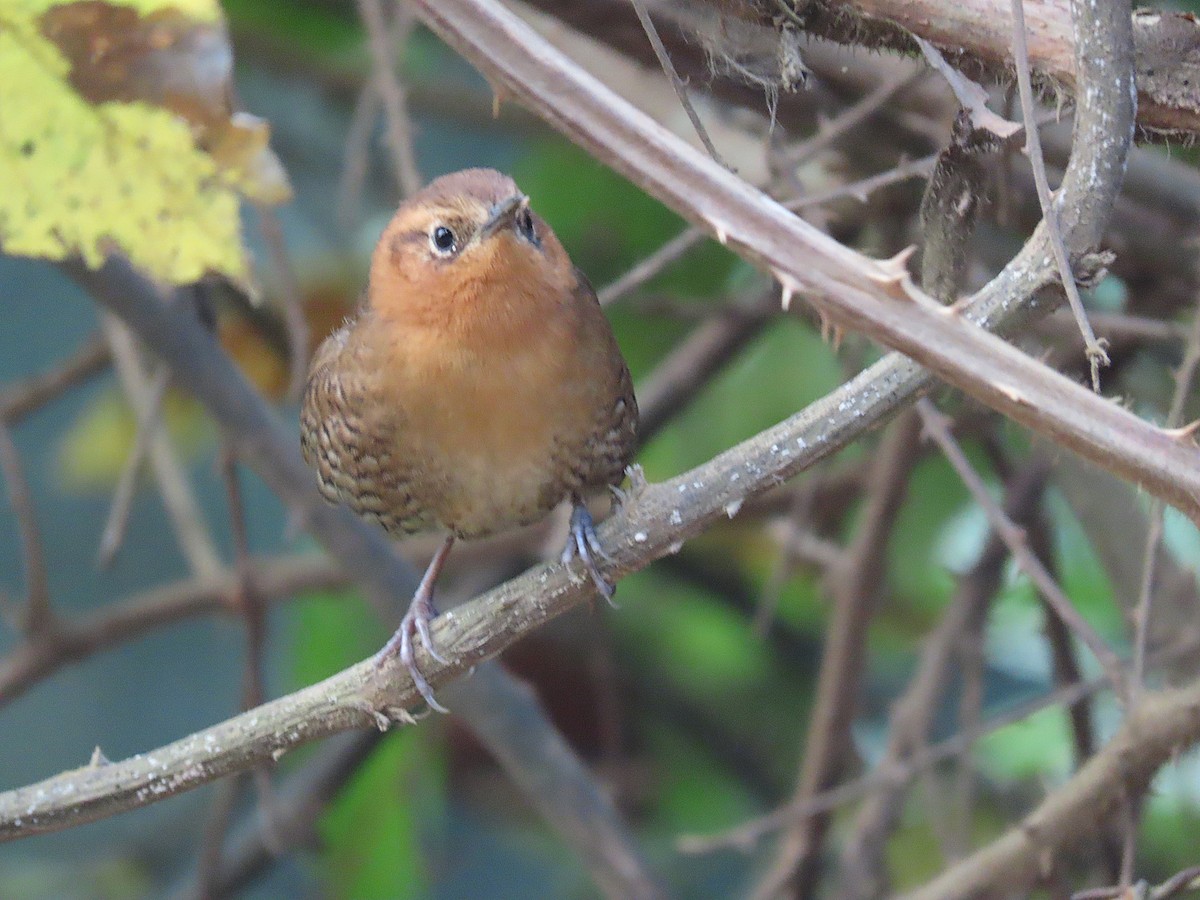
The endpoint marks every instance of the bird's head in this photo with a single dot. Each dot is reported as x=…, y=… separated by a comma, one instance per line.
x=465, y=253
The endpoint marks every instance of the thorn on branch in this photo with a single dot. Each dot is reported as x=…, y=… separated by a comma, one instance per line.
x=637, y=481
x=785, y=297
x=1186, y=432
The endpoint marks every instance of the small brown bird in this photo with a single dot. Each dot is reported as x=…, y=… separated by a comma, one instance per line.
x=478, y=386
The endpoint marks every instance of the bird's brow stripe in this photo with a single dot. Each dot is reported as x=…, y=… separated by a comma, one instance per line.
x=403, y=239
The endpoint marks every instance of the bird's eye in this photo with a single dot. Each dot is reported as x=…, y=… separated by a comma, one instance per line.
x=443, y=239
x=525, y=224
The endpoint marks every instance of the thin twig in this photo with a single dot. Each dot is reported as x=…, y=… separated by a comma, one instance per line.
x=356, y=153
x=1129, y=814
x=685, y=371
x=212, y=836
x=183, y=511
x=794, y=541
x=935, y=426
x=652, y=265
x=956, y=838
x=383, y=41
x=246, y=597
x=1184, y=379
x=971, y=96
x=668, y=67
x=123, y=620
x=1186, y=880
x=892, y=776
x=1120, y=326
x=1142, y=611
x=254, y=614
x=1096, y=354
x=19, y=400
x=862, y=189
x=847, y=119
x=677, y=247
x=746, y=835
x=39, y=618
x=1180, y=881
x=112, y=536
x=1063, y=654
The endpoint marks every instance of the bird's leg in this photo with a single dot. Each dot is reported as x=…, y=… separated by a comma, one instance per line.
x=416, y=621
x=582, y=542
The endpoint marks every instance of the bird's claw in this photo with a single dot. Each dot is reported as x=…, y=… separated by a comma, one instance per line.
x=415, y=621
x=422, y=627
x=637, y=480
x=582, y=542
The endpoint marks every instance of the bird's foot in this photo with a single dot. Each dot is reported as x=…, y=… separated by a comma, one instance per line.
x=582, y=542
x=415, y=624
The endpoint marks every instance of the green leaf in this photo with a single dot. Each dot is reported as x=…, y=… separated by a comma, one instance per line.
x=371, y=838
x=371, y=834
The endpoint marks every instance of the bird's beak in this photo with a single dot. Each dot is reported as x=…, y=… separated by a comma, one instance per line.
x=503, y=214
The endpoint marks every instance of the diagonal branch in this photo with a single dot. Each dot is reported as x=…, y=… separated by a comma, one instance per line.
x=936, y=427
x=507, y=717
x=20, y=400
x=978, y=34
x=1071, y=815
x=664, y=60
x=77, y=637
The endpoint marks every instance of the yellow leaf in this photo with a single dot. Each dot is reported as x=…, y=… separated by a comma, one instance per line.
x=117, y=134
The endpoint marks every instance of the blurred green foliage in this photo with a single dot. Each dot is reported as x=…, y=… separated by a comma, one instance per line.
x=373, y=837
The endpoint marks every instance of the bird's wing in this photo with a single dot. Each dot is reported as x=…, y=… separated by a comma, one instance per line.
x=613, y=438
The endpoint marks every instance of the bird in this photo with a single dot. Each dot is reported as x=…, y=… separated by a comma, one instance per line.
x=477, y=387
